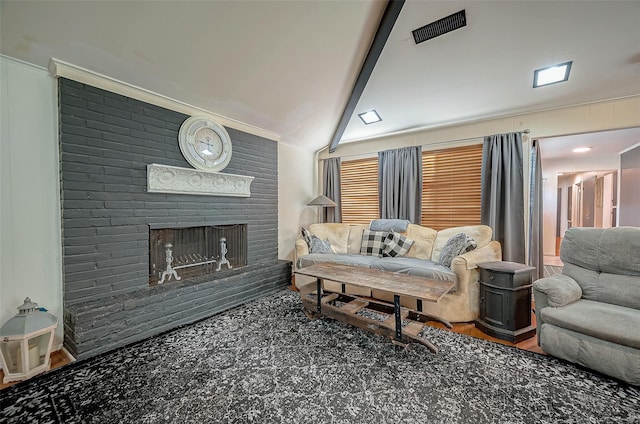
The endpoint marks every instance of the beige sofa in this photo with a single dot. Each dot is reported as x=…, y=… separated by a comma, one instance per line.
x=460, y=305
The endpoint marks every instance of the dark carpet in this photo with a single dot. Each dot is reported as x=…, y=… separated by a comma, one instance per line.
x=265, y=362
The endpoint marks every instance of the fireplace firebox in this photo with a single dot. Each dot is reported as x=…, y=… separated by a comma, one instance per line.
x=177, y=253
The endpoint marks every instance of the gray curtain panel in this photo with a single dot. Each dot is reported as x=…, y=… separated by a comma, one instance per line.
x=535, y=212
x=502, y=198
x=331, y=182
x=400, y=183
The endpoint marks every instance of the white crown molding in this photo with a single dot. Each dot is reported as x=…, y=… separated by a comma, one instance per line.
x=60, y=68
x=176, y=180
x=21, y=63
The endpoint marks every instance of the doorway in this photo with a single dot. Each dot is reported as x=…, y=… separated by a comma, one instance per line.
x=581, y=189
x=585, y=199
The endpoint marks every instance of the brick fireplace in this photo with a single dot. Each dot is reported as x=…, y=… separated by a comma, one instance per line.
x=112, y=225
x=187, y=252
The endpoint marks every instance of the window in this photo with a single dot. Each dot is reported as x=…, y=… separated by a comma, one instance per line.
x=359, y=187
x=451, y=187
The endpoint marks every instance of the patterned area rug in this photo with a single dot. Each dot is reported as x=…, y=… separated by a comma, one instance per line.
x=265, y=362
x=550, y=270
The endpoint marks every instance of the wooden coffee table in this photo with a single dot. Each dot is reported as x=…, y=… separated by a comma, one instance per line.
x=402, y=325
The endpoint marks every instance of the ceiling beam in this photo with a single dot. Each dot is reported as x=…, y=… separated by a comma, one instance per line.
x=384, y=29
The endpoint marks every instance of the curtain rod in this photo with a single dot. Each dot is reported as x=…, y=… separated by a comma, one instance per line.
x=437, y=143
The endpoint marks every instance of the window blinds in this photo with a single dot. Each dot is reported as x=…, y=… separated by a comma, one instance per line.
x=359, y=187
x=451, y=187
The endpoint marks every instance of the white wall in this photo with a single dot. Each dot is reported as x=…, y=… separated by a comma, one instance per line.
x=601, y=116
x=30, y=245
x=297, y=185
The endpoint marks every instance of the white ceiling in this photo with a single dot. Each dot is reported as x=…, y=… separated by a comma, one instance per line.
x=485, y=69
x=601, y=143
x=288, y=66
x=283, y=66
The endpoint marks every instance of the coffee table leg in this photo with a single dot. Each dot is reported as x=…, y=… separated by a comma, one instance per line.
x=396, y=312
x=319, y=294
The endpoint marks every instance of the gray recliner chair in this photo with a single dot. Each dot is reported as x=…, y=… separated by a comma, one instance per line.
x=590, y=314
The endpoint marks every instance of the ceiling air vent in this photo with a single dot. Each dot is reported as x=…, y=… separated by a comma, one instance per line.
x=439, y=27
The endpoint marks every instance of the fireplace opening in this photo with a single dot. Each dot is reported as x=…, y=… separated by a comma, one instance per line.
x=186, y=252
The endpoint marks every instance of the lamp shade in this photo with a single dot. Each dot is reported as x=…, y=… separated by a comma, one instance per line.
x=323, y=201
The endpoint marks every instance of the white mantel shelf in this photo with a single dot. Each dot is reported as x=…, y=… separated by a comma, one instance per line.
x=176, y=180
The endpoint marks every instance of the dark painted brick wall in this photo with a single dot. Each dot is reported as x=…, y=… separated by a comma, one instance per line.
x=98, y=326
x=106, y=142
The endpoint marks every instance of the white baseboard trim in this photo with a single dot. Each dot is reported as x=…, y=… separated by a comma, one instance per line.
x=68, y=355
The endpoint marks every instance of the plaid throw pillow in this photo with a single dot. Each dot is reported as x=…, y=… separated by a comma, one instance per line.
x=306, y=235
x=396, y=245
x=373, y=242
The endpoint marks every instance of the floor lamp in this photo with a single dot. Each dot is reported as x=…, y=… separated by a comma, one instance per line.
x=323, y=202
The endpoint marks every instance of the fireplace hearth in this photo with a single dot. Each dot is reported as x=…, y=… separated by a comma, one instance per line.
x=188, y=252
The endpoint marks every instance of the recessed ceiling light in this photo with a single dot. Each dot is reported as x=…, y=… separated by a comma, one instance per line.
x=370, y=117
x=551, y=74
x=581, y=149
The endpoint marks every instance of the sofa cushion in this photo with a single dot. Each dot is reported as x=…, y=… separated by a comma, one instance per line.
x=411, y=266
x=480, y=233
x=623, y=290
x=353, y=260
x=373, y=242
x=619, y=251
x=355, y=238
x=423, y=238
x=610, y=250
x=604, y=321
x=399, y=225
x=396, y=245
x=580, y=248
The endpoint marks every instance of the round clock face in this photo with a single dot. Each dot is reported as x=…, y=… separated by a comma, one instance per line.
x=205, y=144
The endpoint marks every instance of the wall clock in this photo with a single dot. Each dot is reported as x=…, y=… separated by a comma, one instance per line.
x=204, y=143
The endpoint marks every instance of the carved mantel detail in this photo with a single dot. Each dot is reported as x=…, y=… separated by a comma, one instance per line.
x=173, y=179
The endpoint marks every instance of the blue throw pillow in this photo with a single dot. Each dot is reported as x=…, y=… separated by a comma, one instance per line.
x=319, y=246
